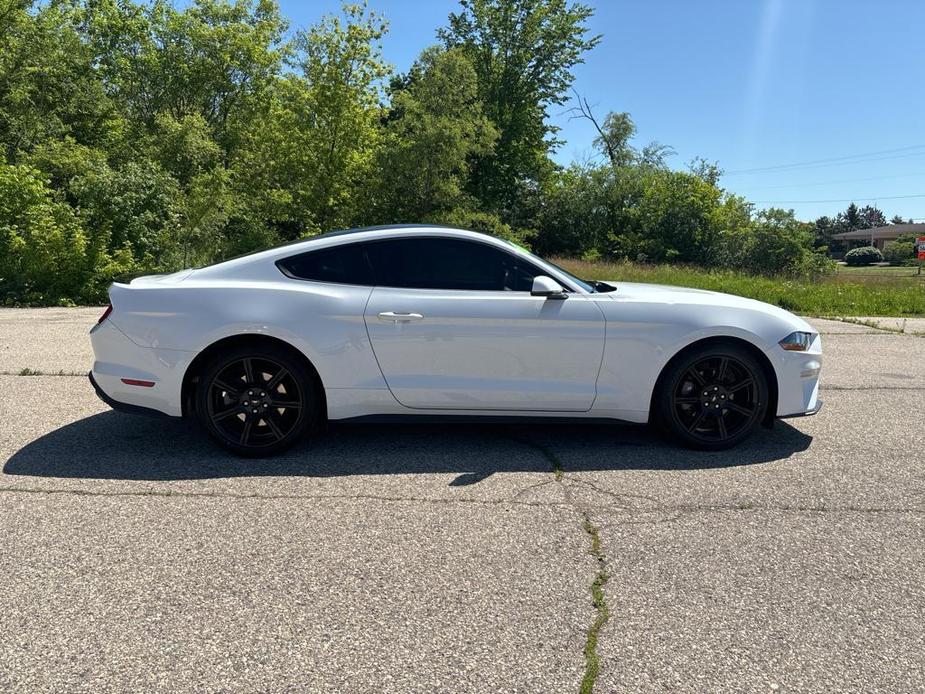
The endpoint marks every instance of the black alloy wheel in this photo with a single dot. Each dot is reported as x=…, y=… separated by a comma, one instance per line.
x=256, y=402
x=713, y=398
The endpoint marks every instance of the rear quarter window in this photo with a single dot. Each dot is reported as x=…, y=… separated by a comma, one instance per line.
x=339, y=265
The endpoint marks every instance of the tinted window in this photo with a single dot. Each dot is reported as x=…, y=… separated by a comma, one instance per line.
x=341, y=264
x=433, y=263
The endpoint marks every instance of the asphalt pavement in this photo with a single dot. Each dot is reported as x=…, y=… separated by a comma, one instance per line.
x=138, y=557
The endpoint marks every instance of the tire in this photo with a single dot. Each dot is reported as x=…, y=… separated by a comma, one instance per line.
x=256, y=401
x=712, y=397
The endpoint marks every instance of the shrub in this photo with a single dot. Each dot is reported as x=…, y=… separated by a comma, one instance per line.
x=42, y=246
x=774, y=242
x=865, y=255
x=899, y=252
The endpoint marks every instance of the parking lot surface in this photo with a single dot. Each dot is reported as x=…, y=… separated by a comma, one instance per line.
x=138, y=557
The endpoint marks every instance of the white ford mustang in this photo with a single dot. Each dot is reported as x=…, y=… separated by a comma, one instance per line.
x=421, y=320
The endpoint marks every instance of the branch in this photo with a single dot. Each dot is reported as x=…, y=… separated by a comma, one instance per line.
x=583, y=110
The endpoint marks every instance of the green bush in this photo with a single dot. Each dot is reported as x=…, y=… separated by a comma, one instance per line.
x=46, y=254
x=42, y=246
x=865, y=255
x=773, y=242
x=899, y=252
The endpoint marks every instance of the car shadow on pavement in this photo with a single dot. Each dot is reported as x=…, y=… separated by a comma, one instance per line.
x=112, y=445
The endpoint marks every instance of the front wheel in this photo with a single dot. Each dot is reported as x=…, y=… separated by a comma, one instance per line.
x=713, y=397
x=256, y=401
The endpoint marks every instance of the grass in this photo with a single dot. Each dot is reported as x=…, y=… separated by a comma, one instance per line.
x=602, y=611
x=842, y=294
x=902, y=275
x=35, y=372
x=888, y=270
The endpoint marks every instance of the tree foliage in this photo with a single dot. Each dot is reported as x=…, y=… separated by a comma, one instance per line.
x=523, y=52
x=851, y=219
x=901, y=251
x=142, y=137
x=435, y=128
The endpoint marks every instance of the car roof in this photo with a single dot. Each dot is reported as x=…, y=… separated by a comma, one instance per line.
x=382, y=227
x=256, y=265
x=383, y=231
x=335, y=238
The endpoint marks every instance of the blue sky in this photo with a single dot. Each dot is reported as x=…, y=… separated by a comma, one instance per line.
x=752, y=84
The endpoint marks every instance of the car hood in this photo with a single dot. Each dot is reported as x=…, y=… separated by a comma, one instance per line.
x=668, y=294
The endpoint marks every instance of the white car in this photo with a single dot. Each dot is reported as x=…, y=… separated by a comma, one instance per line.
x=388, y=322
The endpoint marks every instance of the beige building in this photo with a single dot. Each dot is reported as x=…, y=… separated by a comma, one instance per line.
x=878, y=236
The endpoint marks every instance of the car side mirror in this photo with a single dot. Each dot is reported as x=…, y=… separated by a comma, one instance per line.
x=548, y=287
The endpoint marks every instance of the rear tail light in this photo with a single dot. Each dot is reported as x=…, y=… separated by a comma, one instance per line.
x=105, y=314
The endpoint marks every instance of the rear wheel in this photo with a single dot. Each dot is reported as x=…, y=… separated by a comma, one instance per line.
x=256, y=401
x=713, y=397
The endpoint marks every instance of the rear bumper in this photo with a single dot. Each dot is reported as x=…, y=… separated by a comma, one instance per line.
x=119, y=364
x=123, y=406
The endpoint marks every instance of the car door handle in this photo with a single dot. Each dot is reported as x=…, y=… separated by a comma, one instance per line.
x=399, y=317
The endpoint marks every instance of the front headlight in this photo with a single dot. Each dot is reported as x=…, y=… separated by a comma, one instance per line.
x=797, y=341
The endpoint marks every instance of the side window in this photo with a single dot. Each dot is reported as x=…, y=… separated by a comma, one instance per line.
x=341, y=264
x=437, y=263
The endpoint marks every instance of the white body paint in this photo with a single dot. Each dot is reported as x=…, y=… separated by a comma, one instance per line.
x=437, y=351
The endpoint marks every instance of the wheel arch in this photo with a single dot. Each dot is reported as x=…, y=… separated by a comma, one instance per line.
x=194, y=370
x=766, y=366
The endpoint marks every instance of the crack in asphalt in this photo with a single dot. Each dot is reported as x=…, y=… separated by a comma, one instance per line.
x=601, y=576
x=34, y=372
x=167, y=493
x=825, y=388
x=599, y=601
x=883, y=329
x=569, y=503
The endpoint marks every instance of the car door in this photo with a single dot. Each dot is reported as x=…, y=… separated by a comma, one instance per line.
x=453, y=326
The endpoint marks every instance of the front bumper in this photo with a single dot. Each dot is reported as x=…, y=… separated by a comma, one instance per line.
x=798, y=381
x=809, y=413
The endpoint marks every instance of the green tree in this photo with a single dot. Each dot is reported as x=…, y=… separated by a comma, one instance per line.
x=776, y=242
x=850, y=219
x=871, y=217
x=584, y=206
x=42, y=247
x=319, y=134
x=210, y=59
x=902, y=250
x=48, y=88
x=436, y=127
x=147, y=136
x=138, y=206
x=614, y=135
x=823, y=229
x=523, y=52
x=184, y=148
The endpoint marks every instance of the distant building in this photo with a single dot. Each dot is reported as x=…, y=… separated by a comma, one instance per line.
x=878, y=236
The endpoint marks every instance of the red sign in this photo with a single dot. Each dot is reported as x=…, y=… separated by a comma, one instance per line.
x=920, y=247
